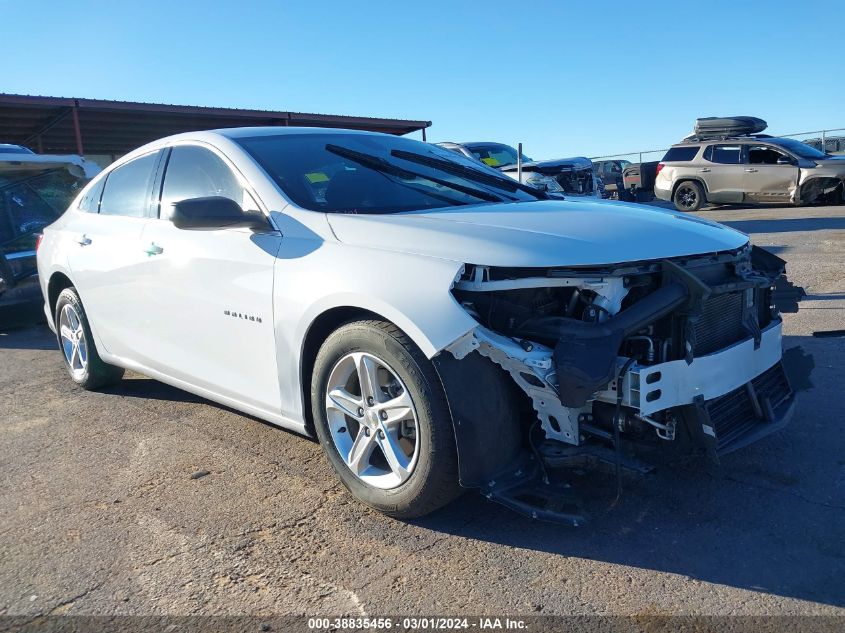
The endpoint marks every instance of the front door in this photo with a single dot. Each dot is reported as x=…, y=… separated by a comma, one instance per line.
x=770, y=174
x=209, y=313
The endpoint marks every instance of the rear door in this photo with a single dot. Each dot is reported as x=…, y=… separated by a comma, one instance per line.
x=209, y=293
x=771, y=175
x=723, y=172
x=105, y=252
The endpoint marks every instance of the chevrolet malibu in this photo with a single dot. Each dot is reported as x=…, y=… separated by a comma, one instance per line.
x=433, y=322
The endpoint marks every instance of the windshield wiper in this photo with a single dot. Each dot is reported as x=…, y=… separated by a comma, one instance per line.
x=503, y=182
x=377, y=163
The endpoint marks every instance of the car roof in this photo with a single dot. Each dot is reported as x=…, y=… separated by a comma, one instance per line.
x=228, y=134
x=765, y=138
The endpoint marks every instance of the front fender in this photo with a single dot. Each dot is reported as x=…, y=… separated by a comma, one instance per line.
x=411, y=291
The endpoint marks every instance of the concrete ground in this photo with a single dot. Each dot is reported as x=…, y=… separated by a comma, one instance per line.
x=99, y=513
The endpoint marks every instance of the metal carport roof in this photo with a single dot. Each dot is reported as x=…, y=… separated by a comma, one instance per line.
x=66, y=125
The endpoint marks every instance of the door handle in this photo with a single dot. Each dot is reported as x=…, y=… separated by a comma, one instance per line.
x=153, y=249
x=750, y=170
x=705, y=170
x=83, y=240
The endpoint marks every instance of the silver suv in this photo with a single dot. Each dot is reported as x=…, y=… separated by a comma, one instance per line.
x=754, y=169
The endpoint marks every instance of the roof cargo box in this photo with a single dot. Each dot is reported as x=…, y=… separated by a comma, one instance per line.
x=720, y=127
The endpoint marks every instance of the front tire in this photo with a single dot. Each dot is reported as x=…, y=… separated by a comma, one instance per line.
x=689, y=196
x=76, y=342
x=382, y=419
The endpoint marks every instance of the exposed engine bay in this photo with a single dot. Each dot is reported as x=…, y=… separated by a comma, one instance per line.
x=682, y=352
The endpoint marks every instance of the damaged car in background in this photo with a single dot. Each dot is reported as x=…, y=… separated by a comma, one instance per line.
x=434, y=323
x=569, y=176
x=34, y=190
x=726, y=160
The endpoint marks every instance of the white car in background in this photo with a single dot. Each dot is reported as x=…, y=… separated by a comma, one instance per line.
x=431, y=321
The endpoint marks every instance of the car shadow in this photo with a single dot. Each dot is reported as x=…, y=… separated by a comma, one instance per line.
x=786, y=225
x=144, y=388
x=27, y=337
x=763, y=520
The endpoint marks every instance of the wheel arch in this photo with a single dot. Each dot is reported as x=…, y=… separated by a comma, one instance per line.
x=58, y=281
x=318, y=331
x=694, y=179
x=815, y=186
x=488, y=436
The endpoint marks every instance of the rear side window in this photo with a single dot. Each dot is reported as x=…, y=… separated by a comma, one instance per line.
x=127, y=188
x=676, y=154
x=724, y=154
x=91, y=200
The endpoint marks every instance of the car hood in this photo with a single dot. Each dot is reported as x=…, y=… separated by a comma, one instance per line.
x=543, y=233
x=558, y=164
x=832, y=161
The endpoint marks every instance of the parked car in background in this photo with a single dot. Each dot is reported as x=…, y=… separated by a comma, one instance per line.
x=8, y=148
x=610, y=172
x=755, y=168
x=432, y=321
x=638, y=182
x=570, y=176
x=35, y=189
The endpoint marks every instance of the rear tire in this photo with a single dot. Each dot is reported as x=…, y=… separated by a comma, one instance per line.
x=689, y=197
x=404, y=432
x=76, y=342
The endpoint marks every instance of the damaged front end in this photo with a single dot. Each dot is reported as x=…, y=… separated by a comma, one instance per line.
x=570, y=176
x=681, y=354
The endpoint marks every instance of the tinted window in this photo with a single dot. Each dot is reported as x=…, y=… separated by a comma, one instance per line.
x=725, y=154
x=195, y=172
x=360, y=173
x=764, y=155
x=127, y=188
x=91, y=200
x=25, y=212
x=680, y=154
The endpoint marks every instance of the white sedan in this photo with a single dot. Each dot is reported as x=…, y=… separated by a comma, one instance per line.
x=433, y=322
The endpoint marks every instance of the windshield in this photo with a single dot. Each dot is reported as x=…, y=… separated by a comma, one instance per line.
x=798, y=148
x=369, y=173
x=495, y=154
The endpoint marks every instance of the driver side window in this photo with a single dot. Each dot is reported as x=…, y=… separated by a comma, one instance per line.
x=195, y=172
x=765, y=155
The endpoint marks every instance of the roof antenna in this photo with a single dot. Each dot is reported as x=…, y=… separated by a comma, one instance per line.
x=519, y=162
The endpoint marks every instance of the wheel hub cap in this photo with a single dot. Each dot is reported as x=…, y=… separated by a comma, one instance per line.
x=372, y=420
x=74, y=344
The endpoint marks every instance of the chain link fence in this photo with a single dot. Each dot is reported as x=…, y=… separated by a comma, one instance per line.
x=831, y=141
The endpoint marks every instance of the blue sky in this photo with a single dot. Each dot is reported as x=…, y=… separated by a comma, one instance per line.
x=565, y=78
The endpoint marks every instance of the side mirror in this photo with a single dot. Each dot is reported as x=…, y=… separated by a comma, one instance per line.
x=784, y=160
x=215, y=212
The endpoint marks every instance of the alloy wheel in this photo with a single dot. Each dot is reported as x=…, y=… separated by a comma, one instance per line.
x=687, y=197
x=74, y=344
x=372, y=420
